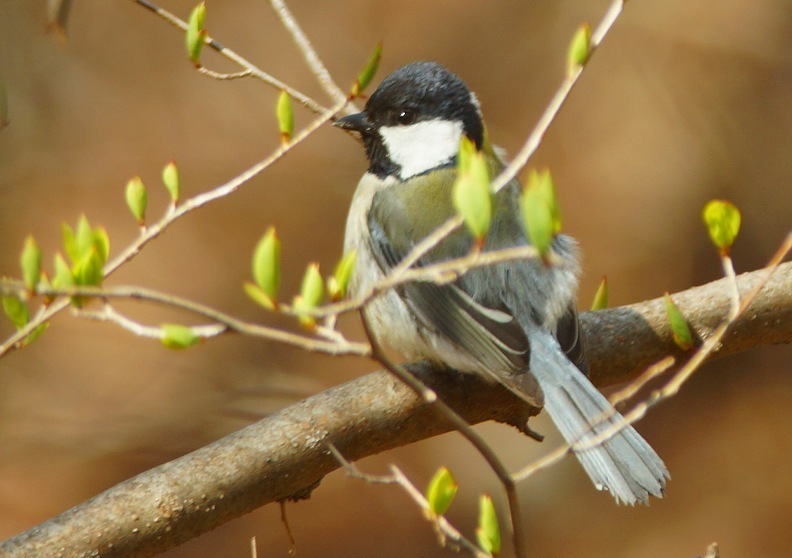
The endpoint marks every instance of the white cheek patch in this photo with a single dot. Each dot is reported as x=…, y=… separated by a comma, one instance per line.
x=423, y=146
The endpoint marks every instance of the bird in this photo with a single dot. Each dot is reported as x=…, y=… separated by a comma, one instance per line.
x=513, y=322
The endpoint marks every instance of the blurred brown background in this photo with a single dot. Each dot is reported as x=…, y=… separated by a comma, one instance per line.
x=684, y=102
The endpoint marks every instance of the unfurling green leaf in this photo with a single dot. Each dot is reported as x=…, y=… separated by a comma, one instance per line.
x=679, y=326
x=285, y=115
x=77, y=242
x=540, y=212
x=35, y=334
x=311, y=295
x=601, y=298
x=338, y=283
x=367, y=74
x=16, y=310
x=441, y=491
x=30, y=262
x=69, y=242
x=259, y=296
x=472, y=194
x=196, y=34
x=488, y=531
x=723, y=223
x=84, y=246
x=579, y=49
x=137, y=199
x=170, y=177
x=88, y=250
x=63, y=277
x=88, y=270
x=102, y=243
x=175, y=336
x=266, y=268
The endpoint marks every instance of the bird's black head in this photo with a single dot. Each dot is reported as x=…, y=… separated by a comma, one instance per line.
x=414, y=121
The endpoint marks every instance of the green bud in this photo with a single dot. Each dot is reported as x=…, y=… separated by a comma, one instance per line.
x=196, y=34
x=601, y=298
x=259, y=296
x=547, y=186
x=137, y=199
x=266, y=266
x=102, y=243
x=285, y=115
x=472, y=195
x=488, y=531
x=441, y=491
x=311, y=295
x=87, y=250
x=175, y=336
x=35, y=334
x=69, y=242
x=367, y=74
x=63, y=278
x=723, y=223
x=16, y=310
x=88, y=270
x=338, y=283
x=540, y=210
x=77, y=242
x=579, y=49
x=170, y=177
x=312, y=289
x=30, y=261
x=679, y=326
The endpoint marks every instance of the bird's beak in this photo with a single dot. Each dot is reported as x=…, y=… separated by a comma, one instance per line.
x=355, y=123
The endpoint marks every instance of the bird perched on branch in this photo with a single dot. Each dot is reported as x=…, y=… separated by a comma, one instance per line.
x=513, y=322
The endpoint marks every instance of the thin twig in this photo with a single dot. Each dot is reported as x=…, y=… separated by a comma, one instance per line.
x=728, y=270
x=628, y=391
x=467, y=431
x=109, y=314
x=224, y=76
x=254, y=71
x=446, y=532
x=557, y=102
x=353, y=471
x=222, y=322
x=309, y=53
x=439, y=273
x=289, y=534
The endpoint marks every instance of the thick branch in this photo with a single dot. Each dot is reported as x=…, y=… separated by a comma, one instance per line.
x=286, y=455
x=624, y=341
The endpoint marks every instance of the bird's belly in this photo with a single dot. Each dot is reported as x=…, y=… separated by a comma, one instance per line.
x=393, y=323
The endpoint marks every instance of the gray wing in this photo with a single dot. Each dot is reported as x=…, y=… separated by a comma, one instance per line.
x=489, y=334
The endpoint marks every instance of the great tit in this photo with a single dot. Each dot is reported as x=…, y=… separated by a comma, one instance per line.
x=513, y=322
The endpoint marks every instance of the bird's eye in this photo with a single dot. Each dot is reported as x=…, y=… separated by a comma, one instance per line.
x=406, y=117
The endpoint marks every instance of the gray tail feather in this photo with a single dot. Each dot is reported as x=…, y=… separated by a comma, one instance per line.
x=625, y=464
